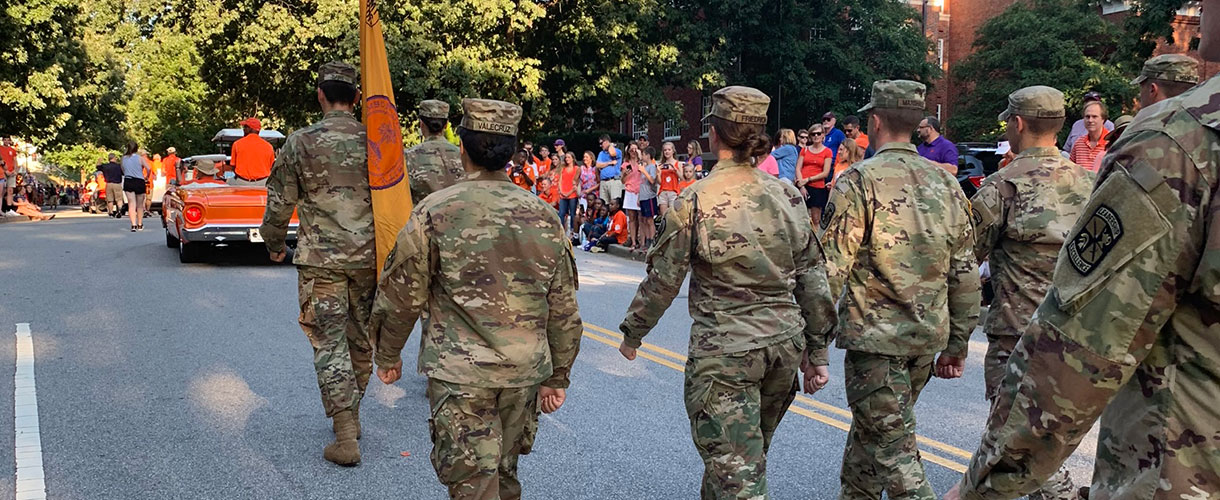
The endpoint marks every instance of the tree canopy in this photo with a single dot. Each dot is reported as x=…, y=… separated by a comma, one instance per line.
x=96, y=73
x=1060, y=43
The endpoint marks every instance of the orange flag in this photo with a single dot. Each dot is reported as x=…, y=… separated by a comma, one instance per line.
x=391, y=194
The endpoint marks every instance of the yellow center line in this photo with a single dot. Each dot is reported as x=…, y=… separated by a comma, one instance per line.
x=644, y=352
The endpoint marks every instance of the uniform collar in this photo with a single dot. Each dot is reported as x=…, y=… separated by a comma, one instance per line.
x=898, y=147
x=1038, y=152
x=488, y=175
x=729, y=163
x=338, y=112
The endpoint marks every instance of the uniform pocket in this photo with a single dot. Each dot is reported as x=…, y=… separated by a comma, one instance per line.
x=307, y=317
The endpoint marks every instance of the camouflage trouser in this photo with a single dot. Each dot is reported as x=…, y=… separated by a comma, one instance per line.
x=881, y=454
x=999, y=349
x=478, y=434
x=735, y=402
x=335, y=308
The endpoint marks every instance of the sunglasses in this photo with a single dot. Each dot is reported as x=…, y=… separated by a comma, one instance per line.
x=804, y=136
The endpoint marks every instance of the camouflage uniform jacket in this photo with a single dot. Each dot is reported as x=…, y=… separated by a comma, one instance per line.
x=322, y=171
x=1021, y=216
x=433, y=165
x=1128, y=331
x=898, y=237
x=487, y=266
x=758, y=276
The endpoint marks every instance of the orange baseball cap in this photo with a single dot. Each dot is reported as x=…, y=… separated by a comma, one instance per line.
x=253, y=123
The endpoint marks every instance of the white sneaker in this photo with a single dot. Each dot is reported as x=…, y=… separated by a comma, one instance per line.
x=12, y=213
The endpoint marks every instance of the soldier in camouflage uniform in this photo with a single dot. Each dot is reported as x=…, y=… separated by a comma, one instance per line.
x=758, y=298
x=1021, y=216
x=434, y=164
x=487, y=266
x=1128, y=329
x=1166, y=76
x=899, y=247
x=322, y=173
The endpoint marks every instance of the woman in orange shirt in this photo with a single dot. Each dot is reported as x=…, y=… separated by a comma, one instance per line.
x=569, y=193
x=815, y=164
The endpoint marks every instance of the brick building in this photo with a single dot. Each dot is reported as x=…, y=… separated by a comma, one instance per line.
x=950, y=25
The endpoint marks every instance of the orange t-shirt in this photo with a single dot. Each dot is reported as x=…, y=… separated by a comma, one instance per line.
x=252, y=157
x=669, y=178
x=170, y=163
x=522, y=179
x=618, y=227
x=862, y=141
x=9, y=155
x=567, y=182
x=549, y=195
x=682, y=184
x=542, y=166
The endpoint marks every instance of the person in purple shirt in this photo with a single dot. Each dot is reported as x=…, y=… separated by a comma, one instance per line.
x=935, y=147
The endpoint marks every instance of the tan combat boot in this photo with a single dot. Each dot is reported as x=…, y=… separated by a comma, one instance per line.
x=334, y=425
x=345, y=450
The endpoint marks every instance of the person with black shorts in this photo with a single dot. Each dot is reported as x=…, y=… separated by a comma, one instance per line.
x=813, y=167
x=134, y=186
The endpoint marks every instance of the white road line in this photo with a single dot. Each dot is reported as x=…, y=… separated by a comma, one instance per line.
x=27, y=449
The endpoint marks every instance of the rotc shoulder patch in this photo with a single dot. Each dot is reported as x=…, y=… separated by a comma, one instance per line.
x=827, y=214
x=1096, y=238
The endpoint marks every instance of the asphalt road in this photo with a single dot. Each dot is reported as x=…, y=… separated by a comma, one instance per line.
x=162, y=380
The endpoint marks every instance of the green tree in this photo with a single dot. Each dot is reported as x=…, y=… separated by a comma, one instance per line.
x=169, y=102
x=76, y=159
x=41, y=66
x=611, y=56
x=810, y=57
x=1059, y=43
x=1148, y=22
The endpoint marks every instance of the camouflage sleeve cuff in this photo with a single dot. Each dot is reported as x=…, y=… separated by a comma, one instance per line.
x=630, y=339
x=957, y=350
x=557, y=381
x=386, y=359
x=819, y=357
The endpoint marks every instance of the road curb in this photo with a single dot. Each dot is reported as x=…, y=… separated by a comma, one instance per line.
x=624, y=252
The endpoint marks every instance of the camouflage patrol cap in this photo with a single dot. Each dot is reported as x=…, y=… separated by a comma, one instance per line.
x=897, y=94
x=491, y=116
x=740, y=105
x=337, y=71
x=1038, y=101
x=1171, y=68
x=433, y=108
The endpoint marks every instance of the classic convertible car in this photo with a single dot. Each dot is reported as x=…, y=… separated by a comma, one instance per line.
x=199, y=215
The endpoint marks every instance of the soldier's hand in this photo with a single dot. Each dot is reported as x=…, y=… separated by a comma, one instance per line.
x=627, y=352
x=950, y=366
x=551, y=399
x=815, y=377
x=390, y=375
x=954, y=493
x=278, y=256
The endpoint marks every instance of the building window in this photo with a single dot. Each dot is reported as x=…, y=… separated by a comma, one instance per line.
x=938, y=112
x=639, y=124
x=672, y=132
x=704, y=110
x=940, y=53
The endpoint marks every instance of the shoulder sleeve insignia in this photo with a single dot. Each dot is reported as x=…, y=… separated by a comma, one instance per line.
x=1096, y=238
x=827, y=214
